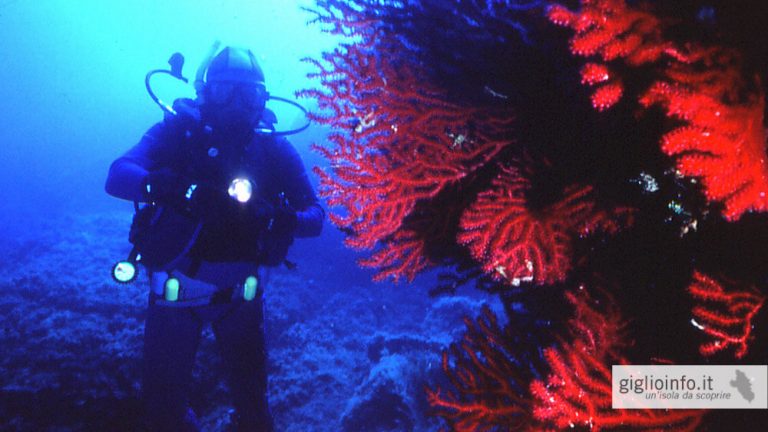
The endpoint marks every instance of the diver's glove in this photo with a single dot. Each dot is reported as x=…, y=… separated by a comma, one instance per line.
x=278, y=220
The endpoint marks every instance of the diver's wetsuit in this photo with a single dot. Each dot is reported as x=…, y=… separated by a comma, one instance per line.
x=224, y=254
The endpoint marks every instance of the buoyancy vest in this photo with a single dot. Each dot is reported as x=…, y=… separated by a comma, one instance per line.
x=163, y=234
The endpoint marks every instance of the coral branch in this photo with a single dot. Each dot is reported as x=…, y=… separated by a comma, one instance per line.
x=608, y=29
x=607, y=96
x=593, y=73
x=518, y=244
x=611, y=30
x=726, y=317
x=404, y=256
x=489, y=392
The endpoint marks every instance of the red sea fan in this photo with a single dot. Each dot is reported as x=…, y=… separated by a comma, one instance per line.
x=608, y=29
x=726, y=317
x=486, y=376
x=396, y=141
x=489, y=392
x=519, y=244
x=611, y=30
x=403, y=256
x=723, y=144
x=722, y=139
x=577, y=392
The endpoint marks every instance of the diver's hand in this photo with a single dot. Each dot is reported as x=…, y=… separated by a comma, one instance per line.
x=278, y=220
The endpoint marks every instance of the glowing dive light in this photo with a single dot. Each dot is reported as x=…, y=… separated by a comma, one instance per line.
x=124, y=272
x=241, y=189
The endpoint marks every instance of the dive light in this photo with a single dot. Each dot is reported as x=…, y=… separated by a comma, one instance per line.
x=124, y=272
x=241, y=189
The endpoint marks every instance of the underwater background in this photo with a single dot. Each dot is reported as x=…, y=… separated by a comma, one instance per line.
x=347, y=353
x=341, y=348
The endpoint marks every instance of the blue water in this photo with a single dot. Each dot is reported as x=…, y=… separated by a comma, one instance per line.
x=73, y=93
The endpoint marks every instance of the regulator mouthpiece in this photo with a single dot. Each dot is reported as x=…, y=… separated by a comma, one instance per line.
x=241, y=189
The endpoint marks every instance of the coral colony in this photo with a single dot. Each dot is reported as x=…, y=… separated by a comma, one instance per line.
x=503, y=141
x=391, y=148
x=720, y=140
x=512, y=241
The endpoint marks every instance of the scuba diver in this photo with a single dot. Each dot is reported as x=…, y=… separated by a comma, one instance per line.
x=224, y=196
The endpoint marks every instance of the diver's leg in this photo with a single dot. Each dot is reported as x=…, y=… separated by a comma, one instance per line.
x=171, y=338
x=240, y=337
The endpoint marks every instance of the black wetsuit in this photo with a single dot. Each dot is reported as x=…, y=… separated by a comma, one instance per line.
x=225, y=251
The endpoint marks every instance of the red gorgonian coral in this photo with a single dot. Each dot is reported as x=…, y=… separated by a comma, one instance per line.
x=396, y=141
x=577, y=391
x=519, y=244
x=610, y=30
x=489, y=390
x=421, y=127
x=489, y=379
x=726, y=317
x=722, y=143
x=722, y=139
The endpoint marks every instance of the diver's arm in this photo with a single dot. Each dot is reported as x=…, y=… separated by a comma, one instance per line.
x=128, y=174
x=309, y=222
x=309, y=213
